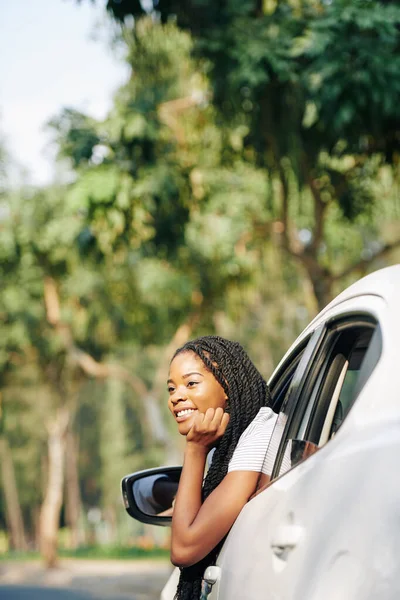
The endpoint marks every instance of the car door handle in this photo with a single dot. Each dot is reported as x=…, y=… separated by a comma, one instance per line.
x=285, y=539
x=211, y=576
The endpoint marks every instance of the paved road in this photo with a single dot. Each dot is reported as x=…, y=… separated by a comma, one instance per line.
x=84, y=580
x=39, y=593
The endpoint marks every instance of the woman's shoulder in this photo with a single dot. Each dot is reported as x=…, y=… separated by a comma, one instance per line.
x=253, y=443
x=265, y=415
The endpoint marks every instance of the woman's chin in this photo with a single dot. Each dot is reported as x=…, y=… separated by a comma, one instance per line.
x=185, y=426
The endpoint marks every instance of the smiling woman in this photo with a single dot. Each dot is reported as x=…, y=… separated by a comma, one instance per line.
x=218, y=400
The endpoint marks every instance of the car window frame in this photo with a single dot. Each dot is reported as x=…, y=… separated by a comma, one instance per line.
x=304, y=354
x=314, y=428
x=280, y=382
x=310, y=389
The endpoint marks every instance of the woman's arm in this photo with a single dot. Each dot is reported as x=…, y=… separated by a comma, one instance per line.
x=197, y=528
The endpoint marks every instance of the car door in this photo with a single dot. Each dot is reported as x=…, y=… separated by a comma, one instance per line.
x=273, y=540
x=285, y=386
x=314, y=495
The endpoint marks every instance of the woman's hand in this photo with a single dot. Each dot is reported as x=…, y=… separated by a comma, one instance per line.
x=208, y=428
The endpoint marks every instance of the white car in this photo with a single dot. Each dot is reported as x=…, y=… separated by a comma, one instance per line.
x=329, y=527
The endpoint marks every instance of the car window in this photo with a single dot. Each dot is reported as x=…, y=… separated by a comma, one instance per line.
x=284, y=387
x=279, y=387
x=332, y=386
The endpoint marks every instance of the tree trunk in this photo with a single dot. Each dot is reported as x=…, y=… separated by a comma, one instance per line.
x=323, y=292
x=51, y=507
x=321, y=281
x=73, y=502
x=113, y=446
x=13, y=509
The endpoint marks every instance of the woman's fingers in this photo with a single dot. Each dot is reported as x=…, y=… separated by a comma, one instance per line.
x=208, y=427
x=212, y=420
x=223, y=424
x=216, y=419
x=198, y=421
x=208, y=419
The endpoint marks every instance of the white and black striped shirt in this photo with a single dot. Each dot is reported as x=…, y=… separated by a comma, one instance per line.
x=251, y=452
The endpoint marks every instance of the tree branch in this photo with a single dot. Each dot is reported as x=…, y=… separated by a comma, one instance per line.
x=319, y=206
x=99, y=370
x=169, y=113
x=285, y=208
x=319, y=215
x=364, y=262
x=81, y=358
x=291, y=243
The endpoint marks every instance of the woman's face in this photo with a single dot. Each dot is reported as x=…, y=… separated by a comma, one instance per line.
x=192, y=388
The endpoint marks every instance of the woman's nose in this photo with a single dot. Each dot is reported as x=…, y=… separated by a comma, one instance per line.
x=179, y=396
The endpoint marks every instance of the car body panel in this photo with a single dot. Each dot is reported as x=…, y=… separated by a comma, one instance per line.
x=345, y=537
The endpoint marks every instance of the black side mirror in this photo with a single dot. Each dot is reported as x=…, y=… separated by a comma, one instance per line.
x=148, y=495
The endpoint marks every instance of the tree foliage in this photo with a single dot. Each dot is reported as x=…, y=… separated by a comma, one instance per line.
x=316, y=86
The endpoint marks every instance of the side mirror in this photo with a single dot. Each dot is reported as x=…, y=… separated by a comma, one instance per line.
x=148, y=495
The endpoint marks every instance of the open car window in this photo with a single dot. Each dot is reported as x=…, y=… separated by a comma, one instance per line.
x=284, y=387
x=346, y=358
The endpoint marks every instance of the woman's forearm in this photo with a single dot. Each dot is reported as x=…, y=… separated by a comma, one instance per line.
x=195, y=531
x=188, y=500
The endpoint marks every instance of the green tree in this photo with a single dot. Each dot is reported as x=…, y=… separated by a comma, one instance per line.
x=316, y=84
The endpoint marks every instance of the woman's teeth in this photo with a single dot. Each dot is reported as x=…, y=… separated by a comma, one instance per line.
x=187, y=411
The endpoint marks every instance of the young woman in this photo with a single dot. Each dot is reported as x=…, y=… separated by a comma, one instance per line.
x=219, y=401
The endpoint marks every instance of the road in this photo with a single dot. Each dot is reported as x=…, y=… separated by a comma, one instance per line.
x=39, y=593
x=84, y=580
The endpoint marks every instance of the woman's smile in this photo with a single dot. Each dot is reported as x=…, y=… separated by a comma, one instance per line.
x=184, y=414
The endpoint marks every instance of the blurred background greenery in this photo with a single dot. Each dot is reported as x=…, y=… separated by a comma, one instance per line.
x=247, y=171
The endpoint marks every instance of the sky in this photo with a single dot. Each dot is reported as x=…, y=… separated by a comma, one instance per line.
x=48, y=60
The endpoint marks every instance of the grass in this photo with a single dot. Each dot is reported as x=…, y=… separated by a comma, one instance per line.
x=113, y=552
x=96, y=552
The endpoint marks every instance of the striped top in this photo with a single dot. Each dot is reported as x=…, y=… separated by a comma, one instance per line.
x=251, y=452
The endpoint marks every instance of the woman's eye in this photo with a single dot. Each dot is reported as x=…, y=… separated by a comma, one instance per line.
x=192, y=383
x=170, y=389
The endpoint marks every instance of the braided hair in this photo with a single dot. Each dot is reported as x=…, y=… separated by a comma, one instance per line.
x=247, y=392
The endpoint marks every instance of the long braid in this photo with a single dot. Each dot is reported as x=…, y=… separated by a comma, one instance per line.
x=247, y=392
